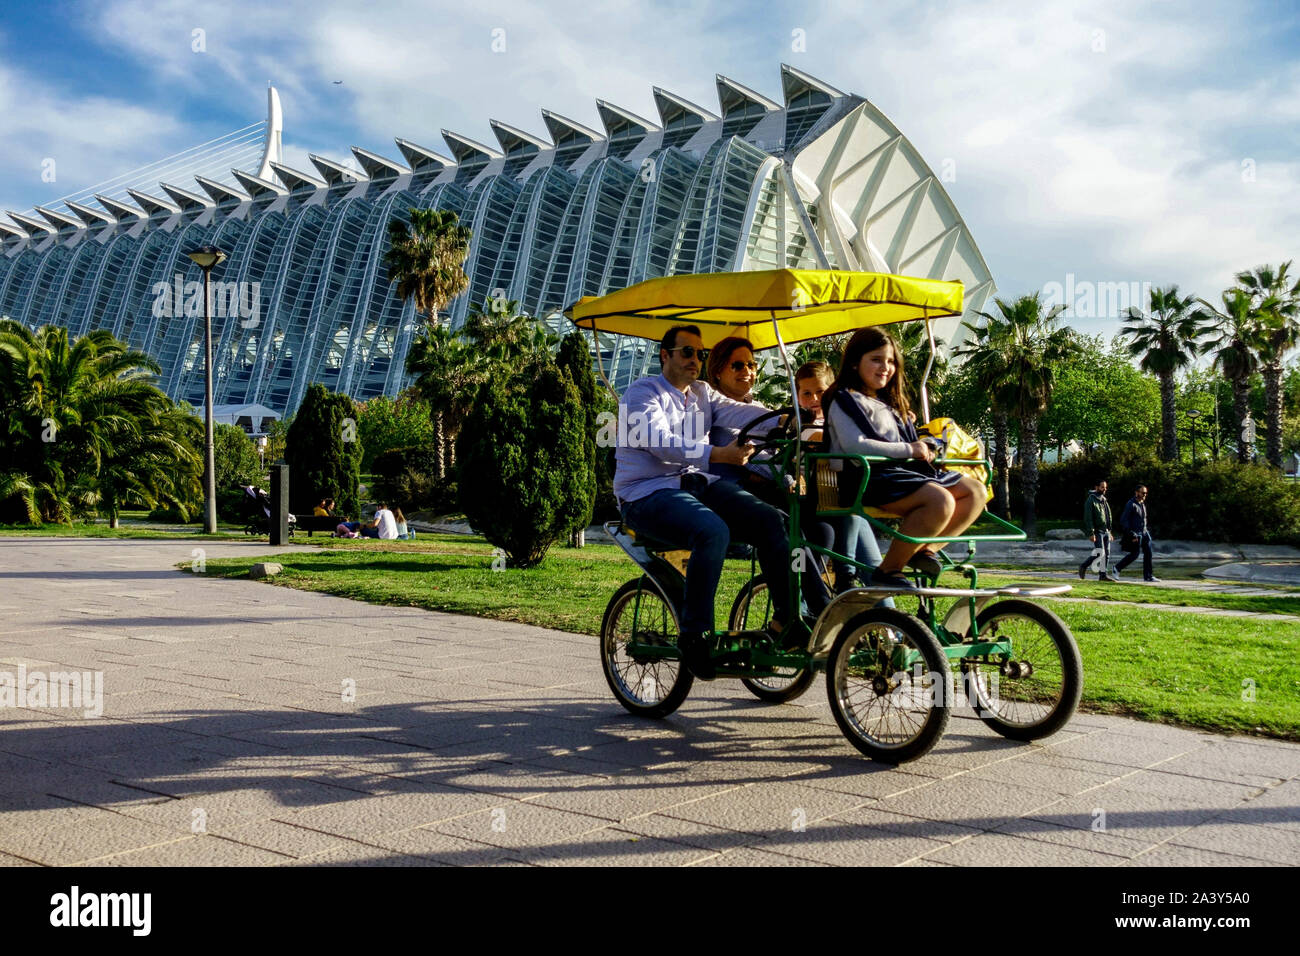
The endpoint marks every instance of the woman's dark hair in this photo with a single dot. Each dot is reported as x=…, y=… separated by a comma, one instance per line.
x=720, y=355
x=863, y=341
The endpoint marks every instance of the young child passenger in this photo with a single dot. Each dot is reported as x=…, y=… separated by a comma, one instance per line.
x=854, y=537
x=868, y=414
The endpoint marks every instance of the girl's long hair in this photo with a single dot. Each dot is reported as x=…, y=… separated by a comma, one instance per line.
x=398, y=516
x=720, y=355
x=862, y=342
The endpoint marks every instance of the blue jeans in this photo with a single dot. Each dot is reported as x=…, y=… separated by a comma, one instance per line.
x=705, y=521
x=1144, y=545
x=856, y=539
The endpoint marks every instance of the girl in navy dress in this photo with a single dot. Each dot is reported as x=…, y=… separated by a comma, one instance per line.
x=868, y=414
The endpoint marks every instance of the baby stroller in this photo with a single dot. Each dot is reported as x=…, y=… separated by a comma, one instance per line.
x=257, y=512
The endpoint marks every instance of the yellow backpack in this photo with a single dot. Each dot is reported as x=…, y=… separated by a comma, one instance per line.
x=954, y=442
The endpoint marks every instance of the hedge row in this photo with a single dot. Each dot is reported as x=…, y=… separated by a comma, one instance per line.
x=1210, y=501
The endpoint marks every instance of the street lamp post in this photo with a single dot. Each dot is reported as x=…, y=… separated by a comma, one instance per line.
x=261, y=451
x=205, y=258
x=1193, y=415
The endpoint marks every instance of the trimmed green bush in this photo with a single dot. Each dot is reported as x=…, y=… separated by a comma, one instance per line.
x=523, y=462
x=323, y=452
x=1210, y=501
x=575, y=359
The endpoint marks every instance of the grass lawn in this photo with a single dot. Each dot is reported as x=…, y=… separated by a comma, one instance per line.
x=1169, y=666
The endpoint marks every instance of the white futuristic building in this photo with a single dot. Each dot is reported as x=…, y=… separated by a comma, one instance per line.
x=819, y=180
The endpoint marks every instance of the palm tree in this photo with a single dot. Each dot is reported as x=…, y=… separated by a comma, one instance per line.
x=1166, y=340
x=447, y=370
x=84, y=418
x=427, y=261
x=986, y=362
x=1240, y=332
x=1272, y=291
x=1017, y=356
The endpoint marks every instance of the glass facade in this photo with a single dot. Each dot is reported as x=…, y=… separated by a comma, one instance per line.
x=312, y=301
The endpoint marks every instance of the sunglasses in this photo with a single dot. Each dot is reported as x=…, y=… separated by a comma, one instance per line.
x=690, y=351
x=739, y=366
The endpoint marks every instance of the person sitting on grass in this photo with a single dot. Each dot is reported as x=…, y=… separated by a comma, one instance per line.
x=347, y=529
x=870, y=415
x=403, y=531
x=383, y=527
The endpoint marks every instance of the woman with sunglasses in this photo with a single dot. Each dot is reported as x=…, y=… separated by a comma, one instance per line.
x=733, y=371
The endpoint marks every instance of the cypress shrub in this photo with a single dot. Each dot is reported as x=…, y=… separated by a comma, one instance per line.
x=575, y=359
x=523, y=463
x=323, y=452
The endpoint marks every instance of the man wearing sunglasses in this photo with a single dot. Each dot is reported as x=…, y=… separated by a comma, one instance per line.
x=664, y=487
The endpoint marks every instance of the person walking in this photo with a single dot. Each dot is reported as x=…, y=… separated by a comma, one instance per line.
x=1137, y=534
x=1096, y=525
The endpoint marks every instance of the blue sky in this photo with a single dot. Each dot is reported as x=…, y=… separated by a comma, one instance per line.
x=1133, y=142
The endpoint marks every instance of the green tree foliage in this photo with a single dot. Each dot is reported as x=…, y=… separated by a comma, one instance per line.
x=523, y=454
x=427, y=259
x=323, y=451
x=1238, y=337
x=86, y=429
x=407, y=477
x=235, y=457
x=1099, y=398
x=400, y=422
x=1275, y=297
x=574, y=357
x=1166, y=340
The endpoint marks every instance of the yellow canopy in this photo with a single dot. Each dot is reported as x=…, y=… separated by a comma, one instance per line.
x=808, y=304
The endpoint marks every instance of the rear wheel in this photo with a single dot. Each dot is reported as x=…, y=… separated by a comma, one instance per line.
x=646, y=683
x=752, y=611
x=1035, y=693
x=888, y=682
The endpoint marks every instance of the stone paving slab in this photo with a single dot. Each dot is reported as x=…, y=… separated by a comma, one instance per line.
x=228, y=737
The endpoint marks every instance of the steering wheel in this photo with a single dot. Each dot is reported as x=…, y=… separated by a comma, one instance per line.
x=784, y=432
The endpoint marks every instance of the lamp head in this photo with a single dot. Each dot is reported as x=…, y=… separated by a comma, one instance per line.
x=1194, y=414
x=206, y=257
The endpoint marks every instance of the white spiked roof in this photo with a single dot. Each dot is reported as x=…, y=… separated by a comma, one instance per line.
x=187, y=200
x=421, y=157
x=558, y=126
x=376, y=166
x=466, y=149
x=32, y=226
x=10, y=229
x=670, y=104
x=794, y=82
x=612, y=116
x=58, y=219
x=335, y=172
x=120, y=210
x=220, y=192
x=511, y=138
x=292, y=178
x=89, y=215
x=152, y=204
x=257, y=186
x=733, y=96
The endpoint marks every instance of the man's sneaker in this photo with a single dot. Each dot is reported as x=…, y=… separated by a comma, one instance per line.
x=1106, y=577
x=926, y=563
x=695, y=655
x=1114, y=573
x=1083, y=573
x=887, y=579
x=1151, y=580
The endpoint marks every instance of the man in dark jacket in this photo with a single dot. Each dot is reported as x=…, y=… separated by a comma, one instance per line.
x=1137, y=534
x=1096, y=525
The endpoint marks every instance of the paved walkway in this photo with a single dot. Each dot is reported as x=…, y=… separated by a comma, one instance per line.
x=225, y=739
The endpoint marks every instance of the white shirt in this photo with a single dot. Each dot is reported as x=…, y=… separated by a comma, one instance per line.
x=386, y=524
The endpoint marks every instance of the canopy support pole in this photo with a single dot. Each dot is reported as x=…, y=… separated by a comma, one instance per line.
x=794, y=395
x=600, y=365
x=925, y=376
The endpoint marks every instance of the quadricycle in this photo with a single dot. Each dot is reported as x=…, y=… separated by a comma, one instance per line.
x=893, y=675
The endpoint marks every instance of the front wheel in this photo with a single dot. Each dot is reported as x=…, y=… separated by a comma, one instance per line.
x=638, y=640
x=888, y=682
x=1036, y=691
x=752, y=611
